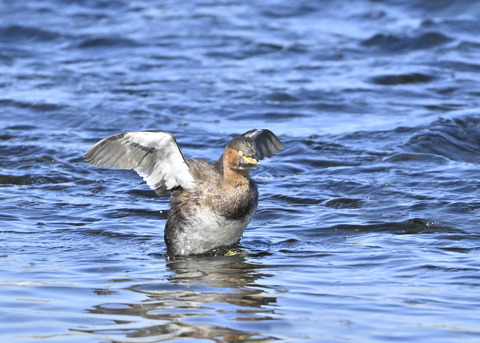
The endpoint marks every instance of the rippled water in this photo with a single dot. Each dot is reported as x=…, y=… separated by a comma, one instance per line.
x=368, y=222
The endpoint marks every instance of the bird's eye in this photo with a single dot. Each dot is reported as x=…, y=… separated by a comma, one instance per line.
x=240, y=153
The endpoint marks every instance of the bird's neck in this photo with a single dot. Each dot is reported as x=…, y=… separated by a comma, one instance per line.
x=235, y=177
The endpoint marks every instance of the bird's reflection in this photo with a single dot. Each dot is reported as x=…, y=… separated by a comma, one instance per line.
x=212, y=297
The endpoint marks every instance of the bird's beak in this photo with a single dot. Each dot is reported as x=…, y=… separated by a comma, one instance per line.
x=251, y=160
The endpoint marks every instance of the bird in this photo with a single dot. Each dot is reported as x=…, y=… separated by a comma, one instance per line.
x=211, y=203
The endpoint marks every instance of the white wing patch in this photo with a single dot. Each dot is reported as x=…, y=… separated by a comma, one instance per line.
x=154, y=155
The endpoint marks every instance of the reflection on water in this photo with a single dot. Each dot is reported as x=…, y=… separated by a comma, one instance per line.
x=203, y=297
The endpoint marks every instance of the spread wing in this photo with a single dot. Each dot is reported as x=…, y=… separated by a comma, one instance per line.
x=267, y=143
x=154, y=155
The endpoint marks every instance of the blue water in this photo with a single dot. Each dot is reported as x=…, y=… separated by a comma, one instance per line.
x=368, y=222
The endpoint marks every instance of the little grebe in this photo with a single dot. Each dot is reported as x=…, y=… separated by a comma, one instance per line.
x=211, y=204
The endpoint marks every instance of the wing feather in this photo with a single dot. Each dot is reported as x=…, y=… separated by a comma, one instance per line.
x=267, y=143
x=154, y=155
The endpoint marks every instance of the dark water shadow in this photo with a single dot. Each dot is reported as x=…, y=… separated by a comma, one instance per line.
x=212, y=298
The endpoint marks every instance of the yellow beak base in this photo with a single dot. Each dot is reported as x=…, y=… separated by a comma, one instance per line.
x=250, y=160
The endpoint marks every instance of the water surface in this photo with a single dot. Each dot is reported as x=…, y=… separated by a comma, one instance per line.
x=368, y=223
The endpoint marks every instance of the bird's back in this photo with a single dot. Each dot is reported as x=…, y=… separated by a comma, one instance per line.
x=205, y=172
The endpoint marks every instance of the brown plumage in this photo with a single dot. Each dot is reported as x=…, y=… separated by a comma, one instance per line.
x=211, y=203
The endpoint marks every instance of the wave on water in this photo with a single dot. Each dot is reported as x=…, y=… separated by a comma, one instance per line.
x=396, y=43
x=456, y=139
x=15, y=33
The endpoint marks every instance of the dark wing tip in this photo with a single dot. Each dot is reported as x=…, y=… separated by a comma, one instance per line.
x=267, y=142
